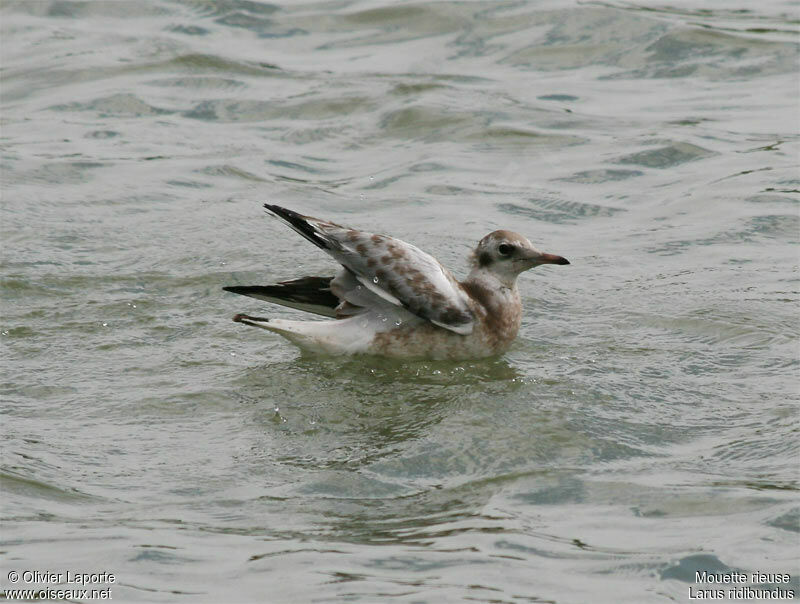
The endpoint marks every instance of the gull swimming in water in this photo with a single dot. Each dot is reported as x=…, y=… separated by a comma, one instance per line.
x=392, y=299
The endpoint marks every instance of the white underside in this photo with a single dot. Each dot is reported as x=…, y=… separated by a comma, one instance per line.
x=353, y=335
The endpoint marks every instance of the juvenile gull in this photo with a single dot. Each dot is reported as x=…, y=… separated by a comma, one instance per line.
x=394, y=300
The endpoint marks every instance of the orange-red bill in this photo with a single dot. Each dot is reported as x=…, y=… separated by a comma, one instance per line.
x=553, y=259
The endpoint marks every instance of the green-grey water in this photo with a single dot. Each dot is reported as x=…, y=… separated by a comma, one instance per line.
x=644, y=425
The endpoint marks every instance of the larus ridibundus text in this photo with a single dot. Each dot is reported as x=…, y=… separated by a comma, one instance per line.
x=392, y=299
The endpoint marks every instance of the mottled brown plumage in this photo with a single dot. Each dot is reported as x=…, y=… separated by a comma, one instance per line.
x=393, y=299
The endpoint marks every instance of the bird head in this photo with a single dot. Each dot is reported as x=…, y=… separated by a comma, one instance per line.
x=507, y=254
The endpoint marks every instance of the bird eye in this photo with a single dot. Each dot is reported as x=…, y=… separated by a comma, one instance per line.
x=505, y=249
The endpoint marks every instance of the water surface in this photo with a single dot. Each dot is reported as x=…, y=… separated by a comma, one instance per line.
x=642, y=428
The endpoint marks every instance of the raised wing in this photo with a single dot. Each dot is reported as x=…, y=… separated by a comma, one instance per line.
x=398, y=272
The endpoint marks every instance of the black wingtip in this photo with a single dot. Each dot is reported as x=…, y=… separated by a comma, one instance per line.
x=244, y=290
x=278, y=210
x=250, y=290
x=299, y=223
x=248, y=320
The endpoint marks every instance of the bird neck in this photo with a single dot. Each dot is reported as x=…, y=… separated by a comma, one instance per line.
x=499, y=299
x=492, y=291
x=492, y=280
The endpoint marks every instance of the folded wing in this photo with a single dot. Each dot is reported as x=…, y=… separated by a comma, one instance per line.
x=309, y=294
